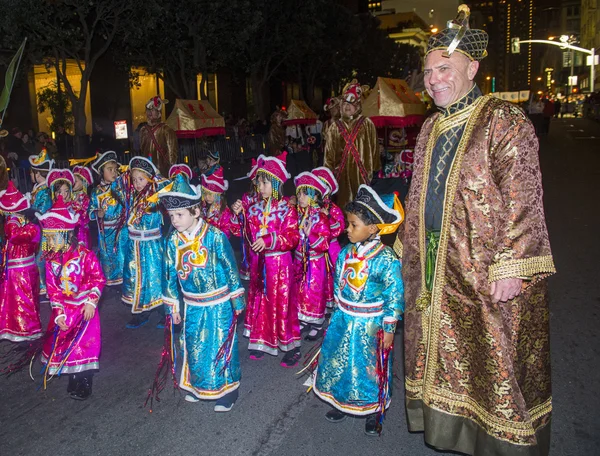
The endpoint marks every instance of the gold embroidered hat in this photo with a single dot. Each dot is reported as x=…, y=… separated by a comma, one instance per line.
x=460, y=38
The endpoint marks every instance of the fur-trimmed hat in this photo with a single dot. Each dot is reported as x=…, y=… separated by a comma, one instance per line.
x=85, y=173
x=106, y=157
x=180, y=168
x=180, y=196
x=58, y=218
x=309, y=180
x=12, y=200
x=274, y=166
x=215, y=182
x=326, y=175
x=41, y=162
x=57, y=175
x=387, y=209
x=143, y=164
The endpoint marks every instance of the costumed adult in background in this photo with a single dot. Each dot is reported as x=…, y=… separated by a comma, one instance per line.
x=157, y=140
x=475, y=251
x=351, y=150
x=276, y=136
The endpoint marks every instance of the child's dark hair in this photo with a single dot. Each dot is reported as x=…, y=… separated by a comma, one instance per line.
x=365, y=215
x=42, y=173
x=57, y=185
x=311, y=193
x=192, y=210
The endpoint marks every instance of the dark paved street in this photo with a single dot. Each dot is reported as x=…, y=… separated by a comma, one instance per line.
x=274, y=415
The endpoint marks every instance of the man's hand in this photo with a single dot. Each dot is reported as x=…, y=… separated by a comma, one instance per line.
x=506, y=289
x=176, y=318
x=101, y=213
x=388, y=340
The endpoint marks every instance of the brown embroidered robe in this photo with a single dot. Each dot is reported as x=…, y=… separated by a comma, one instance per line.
x=477, y=373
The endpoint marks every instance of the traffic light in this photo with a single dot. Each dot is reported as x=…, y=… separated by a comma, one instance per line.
x=515, y=46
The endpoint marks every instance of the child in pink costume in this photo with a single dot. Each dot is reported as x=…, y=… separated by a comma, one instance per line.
x=214, y=208
x=337, y=225
x=240, y=209
x=81, y=202
x=272, y=324
x=310, y=263
x=19, y=274
x=74, y=281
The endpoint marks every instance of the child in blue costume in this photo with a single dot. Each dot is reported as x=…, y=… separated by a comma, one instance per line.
x=109, y=211
x=354, y=374
x=143, y=269
x=41, y=201
x=202, y=272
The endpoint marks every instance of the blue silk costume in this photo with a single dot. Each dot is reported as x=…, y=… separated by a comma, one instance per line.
x=202, y=264
x=369, y=294
x=41, y=201
x=112, y=238
x=143, y=267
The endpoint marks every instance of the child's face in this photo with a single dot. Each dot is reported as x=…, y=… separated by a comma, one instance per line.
x=303, y=199
x=110, y=172
x=208, y=197
x=183, y=220
x=78, y=183
x=55, y=241
x=357, y=230
x=65, y=191
x=140, y=179
x=211, y=162
x=264, y=187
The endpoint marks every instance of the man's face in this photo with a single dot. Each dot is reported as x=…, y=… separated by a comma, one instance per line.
x=153, y=115
x=447, y=80
x=349, y=109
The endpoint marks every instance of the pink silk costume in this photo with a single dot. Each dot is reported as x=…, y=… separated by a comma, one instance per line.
x=20, y=282
x=72, y=281
x=337, y=225
x=247, y=266
x=272, y=318
x=225, y=220
x=80, y=205
x=310, y=267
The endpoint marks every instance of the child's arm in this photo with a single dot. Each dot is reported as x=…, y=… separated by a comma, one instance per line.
x=170, y=285
x=26, y=234
x=287, y=237
x=93, y=280
x=320, y=234
x=227, y=263
x=337, y=220
x=94, y=207
x=392, y=291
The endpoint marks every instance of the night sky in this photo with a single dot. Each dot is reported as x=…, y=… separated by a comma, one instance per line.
x=444, y=10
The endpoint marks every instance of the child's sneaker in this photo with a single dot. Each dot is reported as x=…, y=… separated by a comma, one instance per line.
x=191, y=398
x=225, y=403
x=291, y=358
x=256, y=355
x=335, y=416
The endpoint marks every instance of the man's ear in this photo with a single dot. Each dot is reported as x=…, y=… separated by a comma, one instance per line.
x=472, y=69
